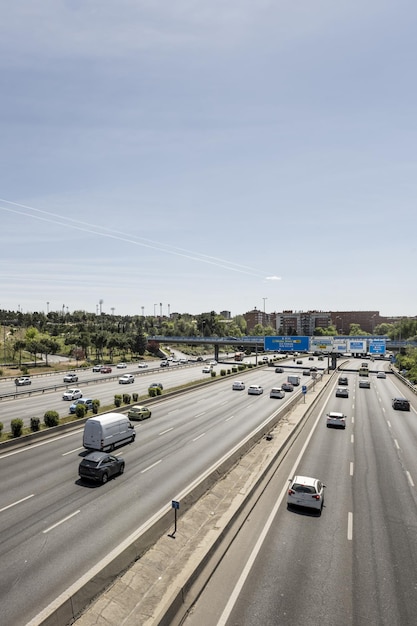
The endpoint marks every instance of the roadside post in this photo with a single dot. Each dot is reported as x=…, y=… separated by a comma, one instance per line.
x=175, y=506
x=304, y=390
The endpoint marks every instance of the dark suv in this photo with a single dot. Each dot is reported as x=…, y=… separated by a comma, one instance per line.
x=343, y=380
x=402, y=404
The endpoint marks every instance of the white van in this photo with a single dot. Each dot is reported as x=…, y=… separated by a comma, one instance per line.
x=104, y=432
x=293, y=380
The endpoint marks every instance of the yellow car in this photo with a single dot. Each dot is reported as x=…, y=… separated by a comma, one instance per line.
x=139, y=413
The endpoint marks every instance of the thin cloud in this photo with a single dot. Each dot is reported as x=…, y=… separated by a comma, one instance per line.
x=102, y=231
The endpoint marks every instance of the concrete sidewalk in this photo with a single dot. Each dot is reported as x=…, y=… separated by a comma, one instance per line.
x=151, y=590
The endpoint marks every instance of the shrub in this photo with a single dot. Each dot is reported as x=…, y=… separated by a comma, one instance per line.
x=80, y=410
x=96, y=404
x=126, y=398
x=135, y=397
x=1, y=428
x=154, y=391
x=17, y=427
x=1, y=372
x=213, y=374
x=35, y=424
x=117, y=400
x=222, y=372
x=51, y=418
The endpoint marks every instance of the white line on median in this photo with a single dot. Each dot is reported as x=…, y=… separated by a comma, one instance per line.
x=72, y=451
x=151, y=466
x=199, y=437
x=410, y=480
x=229, y=418
x=350, y=526
x=351, y=469
x=168, y=430
x=61, y=521
x=396, y=444
x=9, y=506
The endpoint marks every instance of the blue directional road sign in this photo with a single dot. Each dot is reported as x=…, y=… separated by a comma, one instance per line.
x=377, y=345
x=304, y=388
x=287, y=344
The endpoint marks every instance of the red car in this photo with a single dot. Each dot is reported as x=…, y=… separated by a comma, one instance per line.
x=106, y=369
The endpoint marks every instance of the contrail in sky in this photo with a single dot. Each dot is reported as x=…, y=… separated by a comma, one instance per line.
x=102, y=231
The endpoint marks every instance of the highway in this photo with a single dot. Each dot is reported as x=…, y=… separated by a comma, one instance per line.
x=45, y=392
x=356, y=563
x=54, y=528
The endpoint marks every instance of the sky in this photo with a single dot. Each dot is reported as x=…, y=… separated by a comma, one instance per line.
x=190, y=156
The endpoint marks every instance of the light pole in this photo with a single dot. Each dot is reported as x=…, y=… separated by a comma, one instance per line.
x=373, y=322
x=264, y=318
x=154, y=309
x=341, y=323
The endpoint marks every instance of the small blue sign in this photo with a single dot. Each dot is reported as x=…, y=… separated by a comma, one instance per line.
x=175, y=504
x=304, y=389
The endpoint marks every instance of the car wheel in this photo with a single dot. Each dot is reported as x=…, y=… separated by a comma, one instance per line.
x=122, y=468
x=104, y=478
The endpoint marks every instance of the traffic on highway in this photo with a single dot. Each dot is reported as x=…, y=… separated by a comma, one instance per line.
x=360, y=538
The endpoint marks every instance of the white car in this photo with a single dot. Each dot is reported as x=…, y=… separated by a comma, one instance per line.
x=142, y=365
x=306, y=492
x=265, y=359
x=206, y=369
x=183, y=361
x=72, y=394
x=212, y=362
x=335, y=420
x=255, y=390
x=381, y=375
x=277, y=392
x=70, y=378
x=121, y=366
x=126, y=379
x=365, y=383
x=238, y=385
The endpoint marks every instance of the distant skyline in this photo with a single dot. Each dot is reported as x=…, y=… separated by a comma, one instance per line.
x=208, y=156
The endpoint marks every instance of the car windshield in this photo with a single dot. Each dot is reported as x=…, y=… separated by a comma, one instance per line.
x=90, y=463
x=304, y=488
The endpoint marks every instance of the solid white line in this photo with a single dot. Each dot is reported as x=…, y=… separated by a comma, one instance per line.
x=41, y=443
x=396, y=444
x=168, y=430
x=351, y=469
x=61, y=521
x=201, y=414
x=72, y=451
x=151, y=466
x=350, y=526
x=199, y=437
x=245, y=572
x=229, y=418
x=9, y=506
x=410, y=480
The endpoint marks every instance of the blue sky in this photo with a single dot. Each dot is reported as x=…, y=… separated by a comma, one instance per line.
x=218, y=155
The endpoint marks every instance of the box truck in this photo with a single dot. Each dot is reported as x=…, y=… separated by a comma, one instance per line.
x=294, y=380
x=105, y=432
